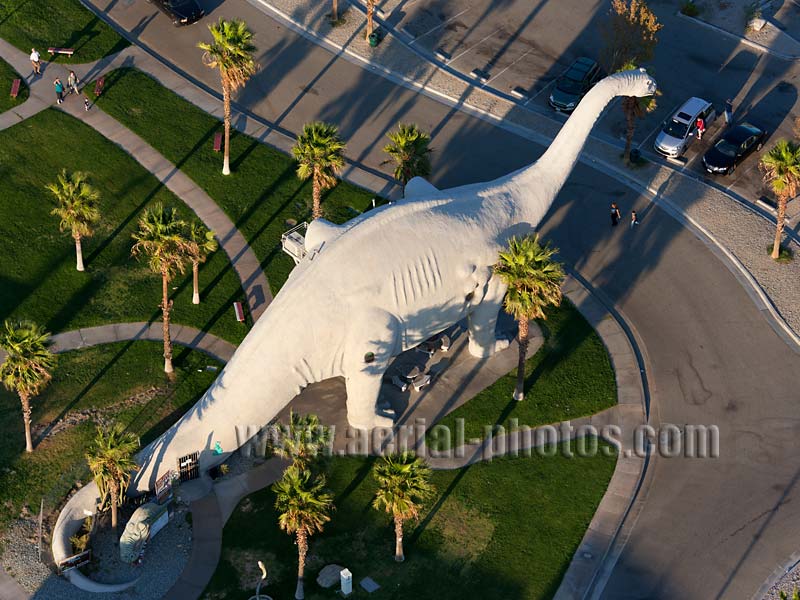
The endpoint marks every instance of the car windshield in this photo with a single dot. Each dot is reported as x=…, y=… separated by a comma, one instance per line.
x=726, y=148
x=676, y=129
x=570, y=86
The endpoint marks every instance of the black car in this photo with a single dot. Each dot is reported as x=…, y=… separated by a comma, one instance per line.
x=182, y=12
x=732, y=148
x=574, y=83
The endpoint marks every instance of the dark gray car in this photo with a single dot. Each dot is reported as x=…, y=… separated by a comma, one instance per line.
x=182, y=12
x=574, y=83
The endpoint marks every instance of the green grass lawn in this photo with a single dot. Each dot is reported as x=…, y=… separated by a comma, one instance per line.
x=38, y=279
x=261, y=193
x=104, y=378
x=505, y=529
x=7, y=77
x=61, y=23
x=570, y=376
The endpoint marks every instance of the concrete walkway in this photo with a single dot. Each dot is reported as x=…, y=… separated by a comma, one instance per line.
x=183, y=335
x=243, y=259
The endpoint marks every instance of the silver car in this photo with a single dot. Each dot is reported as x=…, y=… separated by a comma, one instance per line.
x=681, y=129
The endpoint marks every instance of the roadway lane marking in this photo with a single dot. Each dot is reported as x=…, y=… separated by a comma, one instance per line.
x=460, y=54
x=439, y=26
x=660, y=125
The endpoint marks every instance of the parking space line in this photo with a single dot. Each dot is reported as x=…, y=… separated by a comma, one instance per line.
x=460, y=54
x=539, y=92
x=440, y=25
x=509, y=66
x=659, y=126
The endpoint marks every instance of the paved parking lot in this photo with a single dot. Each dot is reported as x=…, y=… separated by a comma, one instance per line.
x=515, y=43
x=527, y=43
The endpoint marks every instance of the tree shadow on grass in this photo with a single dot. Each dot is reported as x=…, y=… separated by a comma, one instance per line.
x=423, y=524
x=80, y=395
x=357, y=480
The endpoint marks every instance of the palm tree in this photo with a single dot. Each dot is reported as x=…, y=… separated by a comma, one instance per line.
x=77, y=207
x=28, y=366
x=304, y=508
x=409, y=150
x=231, y=51
x=110, y=460
x=319, y=153
x=634, y=108
x=370, y=17
x=201, y=243
x=160, y=238
x=403, y=485
x=781, y=169
x=335, y=11
x=303, y=440
x=534, y=282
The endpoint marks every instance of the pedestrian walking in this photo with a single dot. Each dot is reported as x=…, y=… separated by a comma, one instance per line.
x=728, y=111
x=37, y=64
x=59, y=90
x=634, y=219
x=616, y=216
x=86, y=104
x=701, y=127
x=72, y=83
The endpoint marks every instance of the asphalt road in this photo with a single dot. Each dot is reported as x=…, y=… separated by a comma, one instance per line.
x=710, y=528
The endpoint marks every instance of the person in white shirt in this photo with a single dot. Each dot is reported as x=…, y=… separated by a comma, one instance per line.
x=37, y=65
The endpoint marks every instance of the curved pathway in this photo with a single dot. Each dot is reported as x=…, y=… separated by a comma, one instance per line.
x=242, y=258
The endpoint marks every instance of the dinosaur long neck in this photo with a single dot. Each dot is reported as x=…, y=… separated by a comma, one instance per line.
x=275, y=361
x=537, y=185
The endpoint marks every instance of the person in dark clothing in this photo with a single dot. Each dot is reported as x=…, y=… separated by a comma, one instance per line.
x=728, y=112
x=616, y=216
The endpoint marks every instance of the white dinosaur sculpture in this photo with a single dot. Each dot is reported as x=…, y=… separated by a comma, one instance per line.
x=377, y=286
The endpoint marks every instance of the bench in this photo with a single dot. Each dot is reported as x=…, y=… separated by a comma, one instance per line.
x=238, y=311
x=217, y=141
x=67, y=51
x=15, y=87
x=99, y=85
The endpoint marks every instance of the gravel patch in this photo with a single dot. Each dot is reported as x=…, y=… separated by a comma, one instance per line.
x=20, y=557
x=787, y=584
x=164, y=560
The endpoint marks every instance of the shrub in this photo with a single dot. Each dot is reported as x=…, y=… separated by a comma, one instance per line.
x=689, y=8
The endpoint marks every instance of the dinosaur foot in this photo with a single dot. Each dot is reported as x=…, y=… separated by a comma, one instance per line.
x=485, y=351
x=370, y=422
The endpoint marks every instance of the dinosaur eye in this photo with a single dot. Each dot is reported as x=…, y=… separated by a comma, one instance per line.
x=369, y=357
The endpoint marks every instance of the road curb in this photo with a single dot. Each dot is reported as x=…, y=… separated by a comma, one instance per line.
x=741, y=39
x=753, y=288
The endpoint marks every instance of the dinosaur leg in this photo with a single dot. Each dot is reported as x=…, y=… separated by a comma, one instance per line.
x=482, y=320
x=372, y=342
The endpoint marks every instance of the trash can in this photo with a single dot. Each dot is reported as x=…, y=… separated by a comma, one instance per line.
x=635, y=155
x=373, y=39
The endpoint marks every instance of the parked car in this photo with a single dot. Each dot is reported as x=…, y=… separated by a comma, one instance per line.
x=732, y=148
x=574, y=83
x=679, y=131
x=182, y=12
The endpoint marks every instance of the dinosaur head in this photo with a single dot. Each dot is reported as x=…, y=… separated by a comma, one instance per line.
x=637, y=83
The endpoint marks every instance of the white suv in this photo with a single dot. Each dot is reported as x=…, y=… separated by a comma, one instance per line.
x=681, y=129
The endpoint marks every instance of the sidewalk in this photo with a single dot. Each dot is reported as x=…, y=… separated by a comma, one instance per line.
x=243, y=260
x=739, y=229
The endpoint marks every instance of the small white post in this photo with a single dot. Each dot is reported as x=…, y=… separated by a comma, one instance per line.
x=346, y=578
